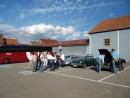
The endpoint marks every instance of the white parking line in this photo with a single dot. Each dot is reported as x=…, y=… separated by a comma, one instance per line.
x=127, y=68
x=71, y=76
x=111, y=75
x=106, y=78
x=65, y=70
x=89, y=80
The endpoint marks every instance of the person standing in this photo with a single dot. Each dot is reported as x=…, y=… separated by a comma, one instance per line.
x=51, y=61
x=62, y=57
x=34, y=59
x=29, y=56
x=38, y=60
x=115, y=59
x=45, y=59
x=41, y=62
x=57, y=60
x=100, y=62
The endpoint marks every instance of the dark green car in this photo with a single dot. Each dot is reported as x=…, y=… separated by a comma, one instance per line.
x=84, y=61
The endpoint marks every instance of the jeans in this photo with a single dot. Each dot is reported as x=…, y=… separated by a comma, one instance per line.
x=30, y=64
x=62, y=64
x=51, y=64
x=41, y=66
x=114, y=69
x=120, y=64
x=99, y=64
x=45, y=62
x=57, y=65
x=34, y=66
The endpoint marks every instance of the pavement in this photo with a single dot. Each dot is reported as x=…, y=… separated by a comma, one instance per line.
x=18, y=82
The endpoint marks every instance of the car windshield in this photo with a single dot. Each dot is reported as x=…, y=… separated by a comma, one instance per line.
x=66, y=57
x=90, y=56
x=72, y=57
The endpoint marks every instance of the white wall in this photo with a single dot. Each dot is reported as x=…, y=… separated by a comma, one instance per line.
x=97, y=41
x=124, y=46
x=73, y=50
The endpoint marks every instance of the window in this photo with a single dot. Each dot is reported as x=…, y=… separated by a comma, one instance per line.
x=107, y=42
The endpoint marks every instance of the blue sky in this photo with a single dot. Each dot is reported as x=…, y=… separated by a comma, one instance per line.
x=29, y=20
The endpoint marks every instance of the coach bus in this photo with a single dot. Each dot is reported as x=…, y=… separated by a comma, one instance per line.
x=14, y=54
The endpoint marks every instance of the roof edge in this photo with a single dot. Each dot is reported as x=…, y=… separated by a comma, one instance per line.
x=108, y=30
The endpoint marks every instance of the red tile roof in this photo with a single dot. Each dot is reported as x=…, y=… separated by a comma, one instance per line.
x=36, y=43
x=75, y=42
x=63, y=43
x=47, y=41
x=52, y=44
x=112, y=24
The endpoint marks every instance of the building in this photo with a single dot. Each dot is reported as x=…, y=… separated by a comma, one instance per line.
x=1, y=39
x=35, y=43
x=111, y=33
x=10, y=41
x=45, y=41
x=78, y=47
x=73, y=47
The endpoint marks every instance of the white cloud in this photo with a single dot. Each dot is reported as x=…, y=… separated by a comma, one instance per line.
x=21, y=15
x=2, y=6
x=39, y=31
x=5, y=27
x=1, y=19
x=65, y=1
x=85, y=35
x=103, y=4
x=57, y=6
x=79, y=1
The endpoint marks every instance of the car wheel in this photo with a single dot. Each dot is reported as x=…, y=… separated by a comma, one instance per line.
x=6, y=61
x=84, y=66
x=73, y=66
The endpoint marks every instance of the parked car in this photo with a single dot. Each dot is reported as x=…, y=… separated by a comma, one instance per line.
x=108, y=59
x=70, y=58
x=84, y=61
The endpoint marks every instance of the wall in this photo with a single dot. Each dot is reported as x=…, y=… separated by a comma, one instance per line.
x=1, y=39
x=124, y=47
x=97, y=41
x=73, y=50
x=10, y=41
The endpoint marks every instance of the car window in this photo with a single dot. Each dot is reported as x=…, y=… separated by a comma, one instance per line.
x=90, y=56
x=75, y=57
x=66, y=57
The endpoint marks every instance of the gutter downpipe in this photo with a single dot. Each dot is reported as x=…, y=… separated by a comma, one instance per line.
x=118, y=44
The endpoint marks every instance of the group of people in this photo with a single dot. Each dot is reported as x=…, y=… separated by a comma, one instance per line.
x=116, y=62
x=43, y=60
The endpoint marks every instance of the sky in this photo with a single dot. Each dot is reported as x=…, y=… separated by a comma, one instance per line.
x=32, y=20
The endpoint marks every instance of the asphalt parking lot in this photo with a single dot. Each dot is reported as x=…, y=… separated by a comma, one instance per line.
x=17, y=82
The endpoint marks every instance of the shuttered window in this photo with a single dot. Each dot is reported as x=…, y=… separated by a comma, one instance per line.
x=107, y=42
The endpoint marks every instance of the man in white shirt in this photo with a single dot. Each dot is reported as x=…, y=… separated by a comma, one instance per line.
x=44, y=61
x=100, y=62
x=51, y=61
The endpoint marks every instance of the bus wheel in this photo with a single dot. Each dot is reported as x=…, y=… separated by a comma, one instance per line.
x=6, y=61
